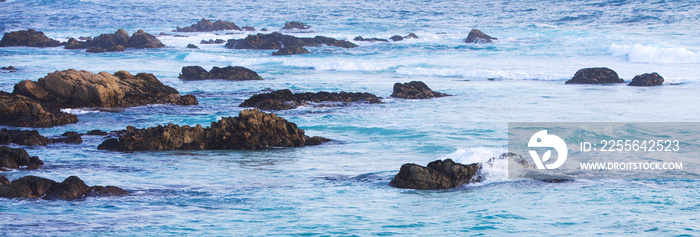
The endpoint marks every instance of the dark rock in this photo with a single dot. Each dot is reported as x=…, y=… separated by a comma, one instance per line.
x=4, y=181
x=14, y=158
x=291, y=50
x=359, y=38
x=163, y=34
x=68, y=137
x=415, y=90
x=226, y=73
x=78, y=89
x=263, y=29
x=295, y=25
x=75, y=44
x=28, y=187
x=142, y=40
x=70, y=189
x=29, y=38
x=477, y=37
x=411, y=35
x=285, y=99
x=10, y=68
x=96, y=133
x=118, y=41
x=206, y=25
x=100, y=191
x=180, y=36
x=647, y=79
x=396, y=38
x=192, y=46
x=97, y=50
x=85, y=38
x=22, y=137
x=598, y=75
x=22, y=111
x=437, y=175
x=211, y=41
x=276, y=40
x=252, y=129
x=248, y=28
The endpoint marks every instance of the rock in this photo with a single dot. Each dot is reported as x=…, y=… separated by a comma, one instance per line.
x=142, y=40
x=22, y=137
x=22, y=111
x=295, y=25
x=285, y=99
x=118, y=41
x=359, y=38
x=248, y=28
x=211, y=41
x=263, y=29
x=68, y=137
x=71, y=188
x=78, y=89
x=192, y=46
x=477, y=37
x=396, y=38
x=276, y=40
x=411, y=35
x=4, y=181
x=437, y=175
x=28, y=38
x=291, y=50
x=598, y=75
x=14, y=158
x=647, y=79
x=97, y=50
x=252, y=129
x=96, y=133
x=206, y=25
x=75, y=44
x=414, y=90
x=9, y=68
x=226, y=73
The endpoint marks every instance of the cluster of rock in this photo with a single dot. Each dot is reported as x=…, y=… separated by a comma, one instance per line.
x=438, y=174
x=14, y=158
x=415, y=90
x=21, y=111
x=33, y=138
x=295, y=25
x=277, y=40
x=285, y=99
x=252, y=129
x=212, y=41
x=226, y=73
x=29, y=38
x=70, y=189
x=477, y=37
x=117, y=41
x=9, y=69
x=393, y=38
x=602, y=75
x=206, y=25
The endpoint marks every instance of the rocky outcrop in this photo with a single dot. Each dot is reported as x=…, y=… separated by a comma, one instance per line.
x=212, y=41
x=285, y=99
x=96, y=132
x=192, y=46
x=9, y=69
x=598, y=75
x=396, y=38
x=277, y=40
x=206, y=25
x=33, y=138
x=477, y=37
x=226, y=73
x=68, y=137
x=14, y=158
x=290, y=50
x=647, y=79
x=119, y=41
x=252, y=129
x=30, y=38
x=248, y=28
x=359, y=38
x=21, y=111
x=437, y=175
x=295, y=25
x=411, y=35
x=77, y=89
x=414, y=90
x=71, y=188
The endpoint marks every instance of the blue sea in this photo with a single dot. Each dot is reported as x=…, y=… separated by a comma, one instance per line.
x=341, y=187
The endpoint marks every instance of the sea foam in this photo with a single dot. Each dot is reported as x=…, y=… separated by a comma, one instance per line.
x=639, y=53
x=495, y=171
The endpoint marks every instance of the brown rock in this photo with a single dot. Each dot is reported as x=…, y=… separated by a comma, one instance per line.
x=285, y=99
x=437, y=175
x=70, y=189
x=415, y=90
x=226, y=73
x=29, y=38
x=477, y=37
x=22, y=111
x=598, y=75
x=206, y=25
x=14, y=158
x=291, y=50
x=647, y=79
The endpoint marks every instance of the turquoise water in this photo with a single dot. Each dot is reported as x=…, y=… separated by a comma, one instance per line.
x=340, y=188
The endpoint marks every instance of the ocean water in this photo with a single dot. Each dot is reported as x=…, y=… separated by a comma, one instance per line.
x=341, y=187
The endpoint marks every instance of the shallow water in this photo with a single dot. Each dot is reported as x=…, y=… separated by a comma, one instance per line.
x=340, y=188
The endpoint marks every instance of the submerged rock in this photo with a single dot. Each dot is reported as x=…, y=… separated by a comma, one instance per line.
x=9, y=68
x=437, y=175
x=21, y=111
x=211, y=41
x=285, y=99
x=647, y=79
x=248, y=28
x=277, y=40
x=71, y=188
x=96, y=132
x=415, y=90
x=252, y=129
x=396, y=38
x=30, y=38
x=598, y=75
x=192, y=46
x=359, y=38
x=477, y=37
x=78, y=89
x=206, y=25
x=118, y=41
x=411, y=35
x=291, y=50
x=226, y=73
x=295, y=25
x=14, y=158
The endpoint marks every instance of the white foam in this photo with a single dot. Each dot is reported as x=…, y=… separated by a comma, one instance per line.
x=648, y=54
x=338, y=65
x=491, y=172
x=475, y=73
x=79, y=111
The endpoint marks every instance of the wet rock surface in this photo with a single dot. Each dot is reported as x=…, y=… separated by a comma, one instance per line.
x=598, y=75
x=438, y=174
x=30, y=38
x=22, y=111
x=285, y=99
x=277, y=40
x=118, y=41
x=291, y=50
x=295, y=25
x=477, y=37
x=252, y=129
x=14, y=158
x=226, y=73
x=647, y=79
x=70, y=189
x=415, y=90
x=206, y=25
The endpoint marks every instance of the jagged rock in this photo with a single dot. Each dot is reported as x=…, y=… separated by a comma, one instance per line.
x=359, y=38
x=77, y=89
x=96, y=133
x=226, y=73
x=411, y=35
x=22, y=111
x=206, y=25
x=396, y=38
x=14, y=158
x=248, y=28
x=295, y=25
x=252, y=129
x=29, y=38
x=414, y=90
x=276, y=40
x=647, y=79
x=285, y=99
x=118, y=41
x=437, y=175
x=477, y=37
x=192, y=46
x=598, y=75
x=71, y=188
x=211, y=41
x=291, y=50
